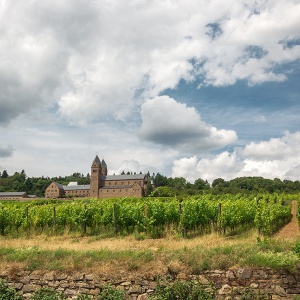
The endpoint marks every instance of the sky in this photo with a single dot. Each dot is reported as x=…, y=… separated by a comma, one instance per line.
x=187, y=88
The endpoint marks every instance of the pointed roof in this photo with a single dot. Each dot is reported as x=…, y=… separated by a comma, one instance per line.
x=103, y=163
x=97, y=161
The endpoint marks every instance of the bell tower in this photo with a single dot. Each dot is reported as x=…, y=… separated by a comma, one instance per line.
x=104, y=168
x=96, y=171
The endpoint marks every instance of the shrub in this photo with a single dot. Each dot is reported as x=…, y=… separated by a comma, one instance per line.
x=47, y=294
x=110, y=293
x=183, y=290
x=84, y=297
x=8, y=293
x=296, y=248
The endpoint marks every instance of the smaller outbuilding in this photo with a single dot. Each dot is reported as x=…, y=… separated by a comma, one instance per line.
x=14, y=195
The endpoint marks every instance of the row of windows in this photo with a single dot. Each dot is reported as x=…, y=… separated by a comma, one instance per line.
x=123, y=183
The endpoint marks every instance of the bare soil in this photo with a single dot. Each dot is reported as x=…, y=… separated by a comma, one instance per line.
x=291, y=230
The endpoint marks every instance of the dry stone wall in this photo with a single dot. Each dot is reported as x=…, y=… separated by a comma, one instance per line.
x=225, y=283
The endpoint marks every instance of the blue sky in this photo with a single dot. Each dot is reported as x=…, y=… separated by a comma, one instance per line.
x=199, y=89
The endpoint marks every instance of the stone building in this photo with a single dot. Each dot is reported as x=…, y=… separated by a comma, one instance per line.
x=102, y=185
x=15, y=196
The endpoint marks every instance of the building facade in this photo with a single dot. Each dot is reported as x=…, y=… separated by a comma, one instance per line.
x=15, y=196
x=102, y=185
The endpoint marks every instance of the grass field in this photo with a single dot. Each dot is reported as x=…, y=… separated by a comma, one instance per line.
x=137, y=254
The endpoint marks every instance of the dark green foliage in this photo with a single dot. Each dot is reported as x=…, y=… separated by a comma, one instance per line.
x=201, y=184
x=110, y=293
x=84, y=297
x=149, y=188
x=183, y=290
x=8, y=293
x=47, y=294
x=160, y=180
x=296, y=248
x=4, y=174
x=162, y=191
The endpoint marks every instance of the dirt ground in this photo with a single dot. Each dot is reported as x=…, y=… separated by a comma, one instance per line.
x=291, y=230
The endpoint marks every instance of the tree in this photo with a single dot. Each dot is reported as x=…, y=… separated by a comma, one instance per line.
x=23, y=174
x=201, y=184
x=178, y=183
x=149, y=188
x=4, y=174
x=218, y=183
x=160, y=180
x=162, y=191
x=28, y=185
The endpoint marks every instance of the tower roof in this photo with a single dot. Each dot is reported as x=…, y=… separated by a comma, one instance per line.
x=103, y=163
x=97, y=161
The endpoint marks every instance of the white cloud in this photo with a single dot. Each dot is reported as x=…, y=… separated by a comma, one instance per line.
x=167, y=122
x=274, y=149
x=91, y=59
x=224, y=165
x=132, y=166
x=276, y=158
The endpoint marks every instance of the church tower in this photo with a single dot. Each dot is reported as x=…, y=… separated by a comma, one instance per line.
x=95, y=184
x=104, y=168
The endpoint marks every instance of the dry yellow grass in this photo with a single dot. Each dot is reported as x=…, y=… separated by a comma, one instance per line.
x=125, y=243
x=125, y=255
x=162, y=251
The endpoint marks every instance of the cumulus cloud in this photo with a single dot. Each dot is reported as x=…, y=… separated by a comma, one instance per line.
x=224, y=165
x=93, y=59
x=276, y=158
x=274, y=149
x=6, y=151
x=132, y=166
x=167, y=122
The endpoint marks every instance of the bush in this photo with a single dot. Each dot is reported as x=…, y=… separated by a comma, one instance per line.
x=47, y=294
x=183, y=290
x=110, y=293
x=296, y=248
x=8, y=293
x=84, y=297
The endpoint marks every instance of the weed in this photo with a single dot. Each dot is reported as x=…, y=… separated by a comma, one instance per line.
x=84, y=297
x=296, y=248
x=139, y=236
x=182, y=290
x=47, y=294
x=8, y=293
x=249, y=294
x=110, y=293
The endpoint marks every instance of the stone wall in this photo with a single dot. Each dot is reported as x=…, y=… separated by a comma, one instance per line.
x=277, y=284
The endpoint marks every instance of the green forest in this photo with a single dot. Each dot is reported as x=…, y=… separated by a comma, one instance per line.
x=165, y=186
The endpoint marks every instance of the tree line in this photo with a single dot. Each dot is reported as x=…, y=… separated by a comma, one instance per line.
x=20, y=182
x=165, y=186
x=180, y=186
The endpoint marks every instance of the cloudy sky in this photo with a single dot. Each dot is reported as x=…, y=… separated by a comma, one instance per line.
x=194, y=88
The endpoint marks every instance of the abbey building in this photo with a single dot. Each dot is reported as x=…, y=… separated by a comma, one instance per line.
x=101, y=185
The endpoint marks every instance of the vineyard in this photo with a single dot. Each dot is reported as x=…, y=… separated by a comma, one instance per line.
x=151, y=216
